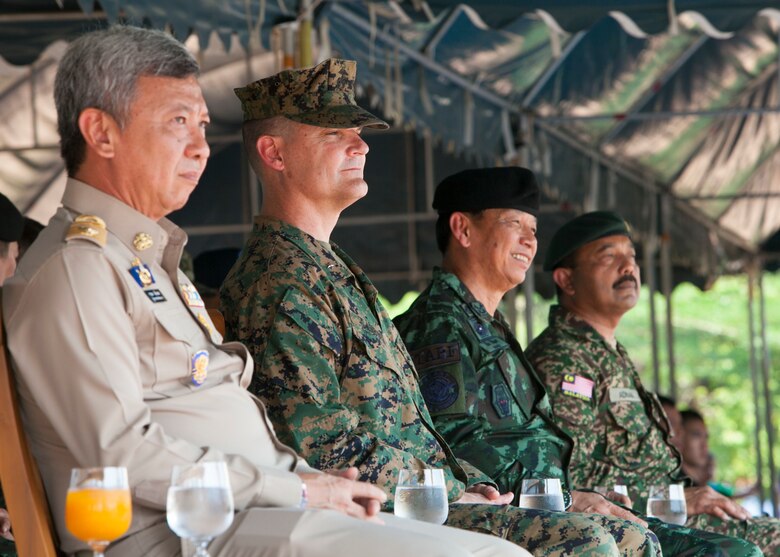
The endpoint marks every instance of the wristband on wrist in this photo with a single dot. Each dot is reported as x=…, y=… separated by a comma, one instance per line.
x=304, y=496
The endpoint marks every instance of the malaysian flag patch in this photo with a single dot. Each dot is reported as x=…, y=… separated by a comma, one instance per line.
x=576, y=386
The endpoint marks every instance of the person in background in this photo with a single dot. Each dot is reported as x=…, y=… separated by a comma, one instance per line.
x=117, y=362
x=29, y=234
x=676, y=431
x=620, y=431
x=11, y=227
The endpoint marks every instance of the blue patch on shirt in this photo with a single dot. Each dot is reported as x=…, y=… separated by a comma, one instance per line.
x=440, y=390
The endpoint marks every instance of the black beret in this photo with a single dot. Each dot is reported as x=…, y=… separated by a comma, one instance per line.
x=11, y=221
x=476, y=189
x=582, y=230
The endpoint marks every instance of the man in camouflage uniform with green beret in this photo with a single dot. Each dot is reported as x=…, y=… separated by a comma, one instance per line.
x=619, y=428
x=336, y=377
x=484, y=396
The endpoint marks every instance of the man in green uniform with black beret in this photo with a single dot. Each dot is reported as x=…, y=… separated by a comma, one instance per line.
x=484, y=396
x=619, y=428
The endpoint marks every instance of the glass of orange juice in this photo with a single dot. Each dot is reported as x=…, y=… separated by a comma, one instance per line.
x=98, y=508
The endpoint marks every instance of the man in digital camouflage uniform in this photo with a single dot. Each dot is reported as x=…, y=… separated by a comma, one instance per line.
x=337, y=379
x=619, y=428
x=485, y=398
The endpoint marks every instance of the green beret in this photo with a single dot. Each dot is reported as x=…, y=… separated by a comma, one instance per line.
x=11, y=221
x=582, y=230
x=321, y=96
x=476, y=189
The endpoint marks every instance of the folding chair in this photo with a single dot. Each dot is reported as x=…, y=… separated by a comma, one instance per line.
x=22, y=486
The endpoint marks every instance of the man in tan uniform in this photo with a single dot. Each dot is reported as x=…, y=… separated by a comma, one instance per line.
x=116, y=359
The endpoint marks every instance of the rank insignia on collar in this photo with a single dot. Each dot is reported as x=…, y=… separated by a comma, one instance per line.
x=479, y=327
x=200, y=367
x=143, y=241
x=191, y=295
x=141, y=273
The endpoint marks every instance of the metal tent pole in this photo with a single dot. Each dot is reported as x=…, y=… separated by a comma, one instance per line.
x=411, y=226
x=529, y=286
x=770, y=428
x=650, y=248
x=754, y=380
x=666, y=286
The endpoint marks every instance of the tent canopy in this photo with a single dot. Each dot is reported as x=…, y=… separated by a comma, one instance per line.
x=667, y=111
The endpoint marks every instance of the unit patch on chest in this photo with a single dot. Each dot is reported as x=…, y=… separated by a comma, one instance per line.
x=502, y=400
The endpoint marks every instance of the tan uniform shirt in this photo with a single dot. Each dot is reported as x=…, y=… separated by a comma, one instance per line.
x=104, y=363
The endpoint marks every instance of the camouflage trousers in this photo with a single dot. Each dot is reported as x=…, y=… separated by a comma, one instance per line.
x=546, y=533
x=684, y=541
x=762, y=531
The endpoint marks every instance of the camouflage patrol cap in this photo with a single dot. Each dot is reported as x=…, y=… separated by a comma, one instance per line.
x=321, y=96
x=11, y=221
x=582, y=230
x=476, y=189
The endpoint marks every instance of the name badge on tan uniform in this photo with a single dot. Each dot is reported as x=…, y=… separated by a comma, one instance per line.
x=623, y=395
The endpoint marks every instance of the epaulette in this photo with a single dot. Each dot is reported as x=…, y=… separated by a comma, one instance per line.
x=87, y=227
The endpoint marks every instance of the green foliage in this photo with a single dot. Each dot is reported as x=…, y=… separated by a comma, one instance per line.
x=712, y=364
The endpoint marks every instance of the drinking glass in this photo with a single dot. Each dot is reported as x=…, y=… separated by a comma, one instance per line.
x=200, y=503
x=667, y=503
x=542, y=494
x=98, y=508
x=422, y=494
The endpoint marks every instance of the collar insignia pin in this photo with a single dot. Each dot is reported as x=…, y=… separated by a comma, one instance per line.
x=142, y=241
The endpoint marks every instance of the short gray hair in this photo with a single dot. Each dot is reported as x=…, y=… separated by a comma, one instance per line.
x=101, y=69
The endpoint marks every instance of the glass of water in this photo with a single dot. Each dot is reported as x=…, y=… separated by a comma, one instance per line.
x=542, y=494
x=667, y=503
x=200, y=503
x=608, y=493
x=422, y=494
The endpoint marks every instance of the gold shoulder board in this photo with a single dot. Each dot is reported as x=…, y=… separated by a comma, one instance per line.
x=87, y=227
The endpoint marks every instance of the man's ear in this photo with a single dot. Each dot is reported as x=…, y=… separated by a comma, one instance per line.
x=563, y=279
x=460, y=227
x=268, y=148
x=100, y=131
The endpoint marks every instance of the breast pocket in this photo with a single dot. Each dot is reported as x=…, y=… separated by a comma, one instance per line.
x=630, y=416
x=177, y=339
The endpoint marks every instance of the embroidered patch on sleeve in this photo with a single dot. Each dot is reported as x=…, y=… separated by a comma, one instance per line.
x=436, y=355
x=576, y=386
x=502, y=401
x=440, y=390
x=623, y=395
